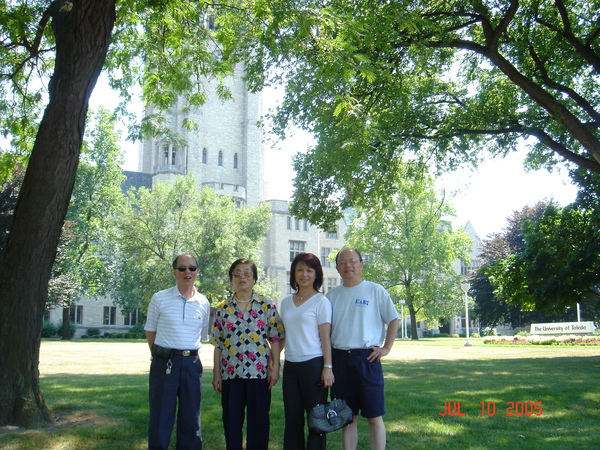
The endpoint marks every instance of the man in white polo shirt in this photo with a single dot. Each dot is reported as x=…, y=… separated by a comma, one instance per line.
x=361, y=310
x=176, y=317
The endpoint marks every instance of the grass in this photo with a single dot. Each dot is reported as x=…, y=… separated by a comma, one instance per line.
x=97, y=392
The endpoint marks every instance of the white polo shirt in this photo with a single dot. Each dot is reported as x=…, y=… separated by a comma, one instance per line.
x=178, y=322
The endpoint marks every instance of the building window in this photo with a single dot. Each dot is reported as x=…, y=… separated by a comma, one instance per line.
x=221, y=159
x=110, y=315
x=305, y=223
x=131, y=318
x=332, y=234
x=296, y=247
x=76, y=314
x=331, y=283
x=297, y=224
x=324, y=254
x=204, y=156
x=289, y=223
x=170, y=154
x=235, y=161
x=210, y=21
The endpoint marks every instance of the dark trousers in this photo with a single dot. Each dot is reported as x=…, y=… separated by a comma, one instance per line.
x=254, y=397
x=184, y=383
x=302, y=391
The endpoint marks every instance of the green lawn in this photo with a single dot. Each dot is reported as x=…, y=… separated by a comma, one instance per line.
x=97, y=391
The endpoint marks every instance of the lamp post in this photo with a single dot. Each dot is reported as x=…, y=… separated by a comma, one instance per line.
x=403, y=329
x=465, y=288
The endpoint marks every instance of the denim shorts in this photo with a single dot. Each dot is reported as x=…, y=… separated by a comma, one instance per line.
x=359, y=382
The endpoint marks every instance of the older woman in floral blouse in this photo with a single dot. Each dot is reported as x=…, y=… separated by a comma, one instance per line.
x=247, y=333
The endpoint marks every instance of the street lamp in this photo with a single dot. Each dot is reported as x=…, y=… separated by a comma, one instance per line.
x=403, y=329
x=465, y=288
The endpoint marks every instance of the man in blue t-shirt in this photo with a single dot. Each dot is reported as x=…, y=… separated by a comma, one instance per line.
x=361, y=310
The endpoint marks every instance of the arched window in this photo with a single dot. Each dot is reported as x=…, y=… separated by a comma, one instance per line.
x=220, y=158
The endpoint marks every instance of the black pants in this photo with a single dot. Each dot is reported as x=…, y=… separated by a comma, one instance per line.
x=254, y=397
x=302, y=391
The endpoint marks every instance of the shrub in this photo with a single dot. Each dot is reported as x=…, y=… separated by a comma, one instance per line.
x=442, y=335
x=523, y=333
x=455, y=335
x=93, y=332
x=48, y=329
x=71, y=329
x=138, y=328
x=474, y=335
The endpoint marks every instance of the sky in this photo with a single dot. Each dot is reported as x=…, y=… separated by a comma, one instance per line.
x=487, y=197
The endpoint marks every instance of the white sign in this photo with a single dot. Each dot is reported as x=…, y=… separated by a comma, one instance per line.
x=562, y=328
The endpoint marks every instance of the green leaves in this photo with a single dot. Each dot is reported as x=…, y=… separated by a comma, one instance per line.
x=559, y=265
x=175, y=218
x=411, y=249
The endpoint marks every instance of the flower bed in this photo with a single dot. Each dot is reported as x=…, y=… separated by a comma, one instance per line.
x=543, y=340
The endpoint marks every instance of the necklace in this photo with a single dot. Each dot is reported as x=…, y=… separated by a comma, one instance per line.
x=242, y=301
x=307, y=296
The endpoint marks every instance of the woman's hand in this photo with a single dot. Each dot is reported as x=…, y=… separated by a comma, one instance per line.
x=217, y=381
x=327, y=377
x=273, y=373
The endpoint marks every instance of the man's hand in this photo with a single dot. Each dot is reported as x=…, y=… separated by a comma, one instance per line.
x=377, y=353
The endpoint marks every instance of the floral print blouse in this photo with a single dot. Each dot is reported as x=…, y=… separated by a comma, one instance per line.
x=244, y=337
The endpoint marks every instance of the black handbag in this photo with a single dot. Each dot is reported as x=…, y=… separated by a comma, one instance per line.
x=329, y=416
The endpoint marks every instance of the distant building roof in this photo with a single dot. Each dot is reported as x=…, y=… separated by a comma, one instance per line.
x=136, y=180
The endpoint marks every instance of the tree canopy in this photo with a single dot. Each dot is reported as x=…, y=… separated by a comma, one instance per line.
x=157, y=225
x=382, y=82
x=558, y=266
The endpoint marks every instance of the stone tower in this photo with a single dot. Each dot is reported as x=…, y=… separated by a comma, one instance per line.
x=224, y=151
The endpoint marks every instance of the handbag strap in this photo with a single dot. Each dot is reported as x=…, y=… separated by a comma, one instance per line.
x=331, y=393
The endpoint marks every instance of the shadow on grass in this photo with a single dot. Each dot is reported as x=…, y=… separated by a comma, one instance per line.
x=568, y=389
x=111, y=411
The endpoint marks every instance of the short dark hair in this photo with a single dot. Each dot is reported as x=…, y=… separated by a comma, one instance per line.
x=311, y=261
x=347, y=248
x=243, y=261
x=184, y=254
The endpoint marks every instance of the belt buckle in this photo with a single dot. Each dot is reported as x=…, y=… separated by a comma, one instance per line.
x=185, y=353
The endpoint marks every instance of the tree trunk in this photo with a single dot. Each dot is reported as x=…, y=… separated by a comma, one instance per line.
x=413, y=322
x=82, y=29
x=66, y=325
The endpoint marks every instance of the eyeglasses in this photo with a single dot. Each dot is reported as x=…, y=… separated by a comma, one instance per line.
x=245, y=273
x=351, y=262
x=191, y=268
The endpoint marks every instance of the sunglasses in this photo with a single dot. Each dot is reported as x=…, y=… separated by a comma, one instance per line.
x=191, y=268
x=245, y=273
